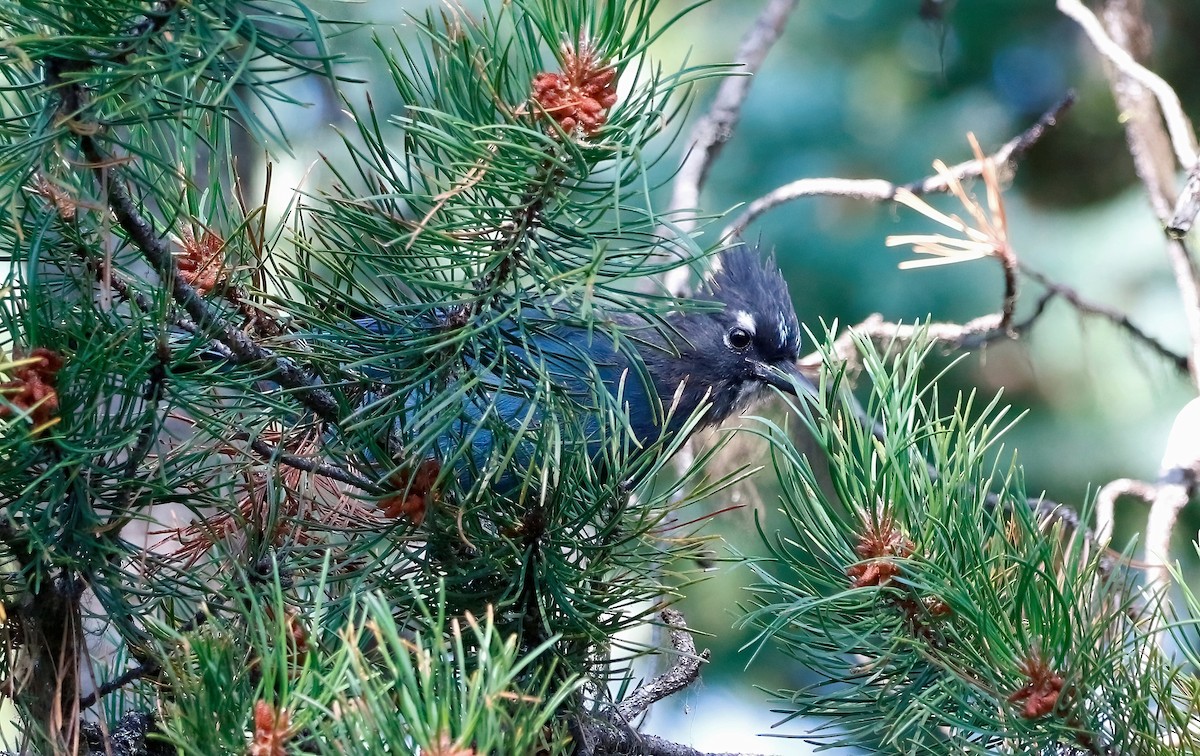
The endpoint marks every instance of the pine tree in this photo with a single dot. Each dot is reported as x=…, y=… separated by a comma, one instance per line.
x=319, y=486
x=347, y=552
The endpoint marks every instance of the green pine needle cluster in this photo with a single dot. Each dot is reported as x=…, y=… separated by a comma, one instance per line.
x=432, y=685
x=221, y=421
x=940, y=611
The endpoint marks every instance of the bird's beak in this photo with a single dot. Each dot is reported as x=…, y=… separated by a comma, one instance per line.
x=786, y=377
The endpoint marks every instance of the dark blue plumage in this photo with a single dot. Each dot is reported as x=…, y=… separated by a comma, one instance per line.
x=480, y=402
x=687, y=371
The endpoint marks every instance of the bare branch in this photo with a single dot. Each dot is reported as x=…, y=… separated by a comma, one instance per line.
x=884, y=333
x=1141, y=99
x=711, y=132
x=1178, y=477
x=1183, y=138
x=1112, y=315
x=133, y=674
x=969, y=337
x=1150, y=146
x=1189, y=290
x=1171, y=498
x=1106, y=501
x=685, y=671
x=879, y=190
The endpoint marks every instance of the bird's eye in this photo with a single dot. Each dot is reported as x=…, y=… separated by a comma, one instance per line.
x=738, y=339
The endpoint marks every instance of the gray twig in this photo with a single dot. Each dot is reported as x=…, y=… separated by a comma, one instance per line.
x=1155, y=148
x=605, y=739
x=713, y=130
x=709, y=135
x=1112, y=315
x=1106, y=502
x=879, y=190
x=685, y=671
x=316, y=467
x=1183, y=138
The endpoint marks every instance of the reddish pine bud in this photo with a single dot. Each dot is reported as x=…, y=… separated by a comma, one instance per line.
x=31, y=389
x=579, y=97
x=878, y=546
x=201, y=264
x=62, y=202
x=415, y=492
x=1040, y=694
x=270, y=731
x=296, y=633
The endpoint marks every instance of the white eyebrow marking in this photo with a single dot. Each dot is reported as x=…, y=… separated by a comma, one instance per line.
x=746, y=320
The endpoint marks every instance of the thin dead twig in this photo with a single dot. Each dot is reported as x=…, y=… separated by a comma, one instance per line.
x=880, y=190
x=308, y=464
x=713, y=130
x=685, y=671
x=1112, y=315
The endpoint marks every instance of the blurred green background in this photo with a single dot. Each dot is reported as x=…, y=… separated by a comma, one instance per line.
x=878, y=89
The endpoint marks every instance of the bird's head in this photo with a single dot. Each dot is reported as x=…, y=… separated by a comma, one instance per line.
x=731, y=355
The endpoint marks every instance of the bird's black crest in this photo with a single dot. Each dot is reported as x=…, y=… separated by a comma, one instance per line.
x=746, y=280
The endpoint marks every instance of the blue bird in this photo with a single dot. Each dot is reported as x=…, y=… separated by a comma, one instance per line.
x=632, y=384
x=661, y=380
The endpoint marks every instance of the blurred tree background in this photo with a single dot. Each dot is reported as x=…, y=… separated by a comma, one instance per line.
x=879, y=89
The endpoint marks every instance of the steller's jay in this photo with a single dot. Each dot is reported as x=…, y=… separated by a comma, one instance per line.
x=642, y=384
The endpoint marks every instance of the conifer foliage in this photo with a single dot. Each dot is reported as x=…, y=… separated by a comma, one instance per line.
x=315, y=480
x=330, y=483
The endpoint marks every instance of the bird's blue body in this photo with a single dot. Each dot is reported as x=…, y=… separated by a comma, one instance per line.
x=615, y=388
x=506, y=405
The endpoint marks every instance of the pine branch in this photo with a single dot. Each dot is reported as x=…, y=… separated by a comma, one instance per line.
x=306, y=384
x=315, y=466
x=133, y=674
x=683, y=673
x=942, y=587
